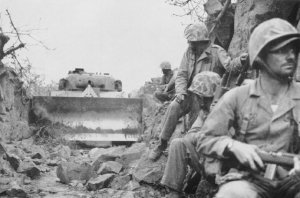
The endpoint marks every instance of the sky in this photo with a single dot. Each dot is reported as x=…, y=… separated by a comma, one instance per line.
x=128, y=39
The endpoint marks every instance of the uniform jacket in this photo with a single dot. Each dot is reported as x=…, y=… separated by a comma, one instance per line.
x=249, y=112
x=214, y=58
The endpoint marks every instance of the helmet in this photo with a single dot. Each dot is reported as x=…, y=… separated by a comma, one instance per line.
x=165, y=65
x=269, y=31
x=196, y=32
x=205, y=83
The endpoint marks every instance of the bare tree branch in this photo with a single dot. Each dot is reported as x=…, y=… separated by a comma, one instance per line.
x=12, y=24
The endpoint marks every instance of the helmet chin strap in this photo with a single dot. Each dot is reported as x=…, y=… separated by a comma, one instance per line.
x=271, y=72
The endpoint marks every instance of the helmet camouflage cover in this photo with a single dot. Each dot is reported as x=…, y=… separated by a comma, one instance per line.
x=205, y=84
x=165, y=65
x=196, y=32
x=269, y=31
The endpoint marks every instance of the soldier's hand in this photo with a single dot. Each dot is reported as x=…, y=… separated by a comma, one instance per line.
x=179, y=98
x=244, y=58
x=247, y=155
x=296, y=169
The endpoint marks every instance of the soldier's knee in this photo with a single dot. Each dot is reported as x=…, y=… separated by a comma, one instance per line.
x=237, y=189
x=174, y=105
x=176, y=143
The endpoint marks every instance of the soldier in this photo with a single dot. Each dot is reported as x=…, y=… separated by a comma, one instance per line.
x=203, y=87
x=265, y=115
x=200, y=56
x=166, y=90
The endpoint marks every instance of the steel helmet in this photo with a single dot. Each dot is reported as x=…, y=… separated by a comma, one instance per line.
x=196, y=32
x=205, y=83
x=269, y=31
x=165, y=65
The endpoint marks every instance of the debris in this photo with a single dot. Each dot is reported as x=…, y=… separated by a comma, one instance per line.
x=119, y=182
x=110, y=167
x=67, y=171
x=29, y=168
x=148, y=171
x=131, y=186
x=14, y=160
x=16, y=191
x=132, y=153
x=99, y=182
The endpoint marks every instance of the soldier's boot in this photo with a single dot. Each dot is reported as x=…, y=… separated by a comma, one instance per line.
x=158, y=150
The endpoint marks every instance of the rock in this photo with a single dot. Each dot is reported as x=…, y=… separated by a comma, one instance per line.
x=132, y=153
x=63, y=152
x=99, y=182
x=16, y=191
x=67, y=171
x=36, y=156
x=131, y=186
x=110, y=167
x=37, y=161
x=52, y=163
x=148, y=171
x=14, y=160
x=119, y=182
x=77, y=183
x=112, y=151
x=107, y=192
x=2, y=150
x=29, y=168
x=102, y=158
x=6, y=168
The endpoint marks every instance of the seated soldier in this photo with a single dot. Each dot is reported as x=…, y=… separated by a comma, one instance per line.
x=203, y=86
x=265, y=115
x=201, y=55
x=166, y=91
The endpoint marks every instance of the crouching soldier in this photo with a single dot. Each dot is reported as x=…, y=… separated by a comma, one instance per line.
x=166, y=91
x=265, y=115
x=203, y=86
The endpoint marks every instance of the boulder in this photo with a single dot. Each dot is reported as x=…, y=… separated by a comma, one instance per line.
x=14, y=160
x=99, y=182
x=131, y=186
x=62, y=152
x=29, y=168
x=119, y=182
x=68, y=171
x=107, y=192
x=115, y=151
x=110, y=167
x=15, y=190
x=102, y=158
x=148, y=171
x=132, y=153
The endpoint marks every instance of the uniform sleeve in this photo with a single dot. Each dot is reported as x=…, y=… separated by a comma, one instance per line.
x=181, y=80
x=216, y=127
x=227, y=63
x=171, y=84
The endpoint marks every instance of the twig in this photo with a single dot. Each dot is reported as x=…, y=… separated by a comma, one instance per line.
x=11, y=50
x=12, y=24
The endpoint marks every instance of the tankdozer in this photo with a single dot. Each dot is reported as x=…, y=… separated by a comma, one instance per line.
x=94, y=106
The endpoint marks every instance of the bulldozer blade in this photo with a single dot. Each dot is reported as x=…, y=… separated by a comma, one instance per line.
x=92, y=119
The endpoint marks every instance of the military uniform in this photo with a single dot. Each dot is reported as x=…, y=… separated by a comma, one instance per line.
x=248, y=110
x=167, y=91
x=215, y=59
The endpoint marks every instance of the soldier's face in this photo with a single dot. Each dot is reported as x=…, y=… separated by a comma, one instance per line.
x=283, y=61
x=198, y=46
